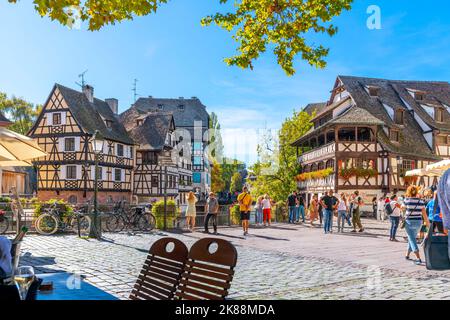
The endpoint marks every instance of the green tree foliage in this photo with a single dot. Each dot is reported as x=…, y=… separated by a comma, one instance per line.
x=229, y=168
x=275, y=173
x=216, y=147
x=257, y=25
x=217, y=182
x=21, y=113
x=236, y=183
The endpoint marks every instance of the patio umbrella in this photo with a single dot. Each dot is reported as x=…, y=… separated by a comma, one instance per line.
x=17, y=149
x=422, y=173
x=439, y=167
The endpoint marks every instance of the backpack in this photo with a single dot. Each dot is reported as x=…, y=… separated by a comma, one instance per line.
x=388, y=208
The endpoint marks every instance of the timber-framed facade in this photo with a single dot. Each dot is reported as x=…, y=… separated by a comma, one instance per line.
x=370, y=132
x=64, y=129
x=160, y=169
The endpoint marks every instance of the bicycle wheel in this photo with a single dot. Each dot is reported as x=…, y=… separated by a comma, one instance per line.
x=4, y=225
x=46, y=224
x=85, y=224
x=146, y=222
x=114, y=223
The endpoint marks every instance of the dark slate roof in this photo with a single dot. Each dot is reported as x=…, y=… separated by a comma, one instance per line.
x=356, y=116
x=90, y=115
x=353, y=116
x=151, y=135
x=193, y=110
x=411, y=135
x=315, y=108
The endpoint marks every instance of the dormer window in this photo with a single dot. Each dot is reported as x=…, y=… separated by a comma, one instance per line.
x=399, y=117
x=181, y=107
x=109, y=124
x=394, y=135
x=139, y=122
x=439, y=114
x=419, y=95
x=373, y=91
x=160, y=106
x=443, y=140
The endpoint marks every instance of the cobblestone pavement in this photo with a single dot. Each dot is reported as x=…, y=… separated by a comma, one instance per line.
x=281, y=262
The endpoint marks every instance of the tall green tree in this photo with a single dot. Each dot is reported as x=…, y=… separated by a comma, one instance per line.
x=216, y=143
x=236, y=183
x=229, y=168
x=256, y=25
x=275, y=172
x=217, y=182
x=21, y=113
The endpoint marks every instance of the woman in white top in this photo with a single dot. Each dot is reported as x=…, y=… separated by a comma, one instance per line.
x=342, y=212
x=380, y=208
x=394, y=217
x=267, y=207
x=191, y=211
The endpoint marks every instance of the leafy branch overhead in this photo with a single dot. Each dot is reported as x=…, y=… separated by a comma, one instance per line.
x=257, y=25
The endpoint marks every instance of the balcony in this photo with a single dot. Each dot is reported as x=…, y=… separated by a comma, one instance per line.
x=328, y=149
x=318, y=184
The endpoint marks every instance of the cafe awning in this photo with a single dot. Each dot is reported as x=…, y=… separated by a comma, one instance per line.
x=17, y=149
x=422, y=173
x=440, y=167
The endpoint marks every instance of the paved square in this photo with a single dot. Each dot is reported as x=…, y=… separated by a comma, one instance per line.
x=281, y=262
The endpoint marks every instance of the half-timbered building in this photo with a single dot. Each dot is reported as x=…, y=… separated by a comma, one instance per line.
x=370, y=132
x=160, y=169
x=64, y=129
x=192, y=124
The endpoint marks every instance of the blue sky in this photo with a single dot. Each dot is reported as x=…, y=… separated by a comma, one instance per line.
x=173, y=56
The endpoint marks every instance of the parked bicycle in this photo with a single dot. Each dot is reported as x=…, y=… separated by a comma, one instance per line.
x=136, y=218
x=52, y=220
x=4, y=222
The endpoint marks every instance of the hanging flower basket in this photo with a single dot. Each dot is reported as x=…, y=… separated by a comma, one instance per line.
x=320, y=174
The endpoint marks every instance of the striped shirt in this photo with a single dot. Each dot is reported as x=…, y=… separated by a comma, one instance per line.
x=414, y=207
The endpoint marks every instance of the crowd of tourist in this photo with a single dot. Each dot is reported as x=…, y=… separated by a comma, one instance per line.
x=418, y=210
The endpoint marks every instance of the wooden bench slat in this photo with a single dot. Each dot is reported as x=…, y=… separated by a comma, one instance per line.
x=212, y=282
x=157, y=288
x=218, y=291
x=201, y=294
x=144, y=292
x=164, y=266
x=154, y=282
x=185, y=296
x=208, y=273
x=209, y=267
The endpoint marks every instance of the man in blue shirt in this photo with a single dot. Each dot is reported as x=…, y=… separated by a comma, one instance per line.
x=435, y=215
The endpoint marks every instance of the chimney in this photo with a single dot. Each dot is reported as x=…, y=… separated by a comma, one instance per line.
x=113, y=104
x=89, y=92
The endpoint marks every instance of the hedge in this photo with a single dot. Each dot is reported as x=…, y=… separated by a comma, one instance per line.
x=158, y=212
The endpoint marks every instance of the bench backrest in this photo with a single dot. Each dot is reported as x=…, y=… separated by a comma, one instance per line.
x=161, y=273
x=208, y=271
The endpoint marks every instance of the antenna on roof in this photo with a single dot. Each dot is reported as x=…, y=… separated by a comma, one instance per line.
x=135, y=94
x=81, y=75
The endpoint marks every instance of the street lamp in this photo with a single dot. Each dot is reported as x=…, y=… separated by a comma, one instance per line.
x=97, y=146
